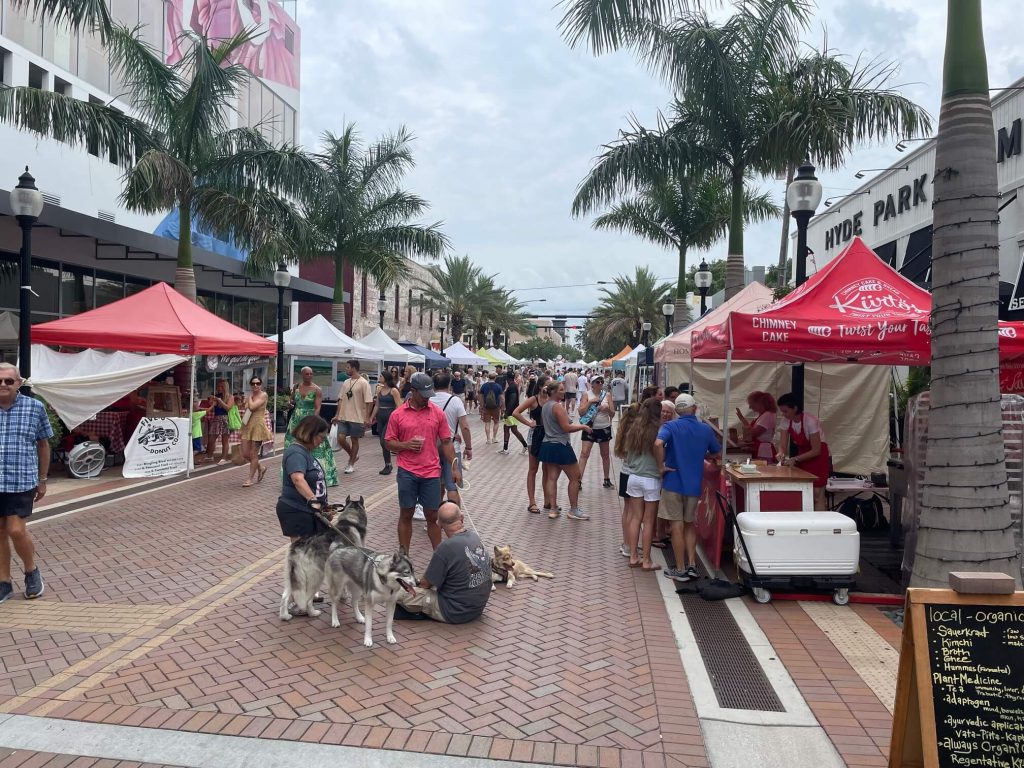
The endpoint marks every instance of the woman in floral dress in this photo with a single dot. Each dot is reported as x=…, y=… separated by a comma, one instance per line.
x=307, y=397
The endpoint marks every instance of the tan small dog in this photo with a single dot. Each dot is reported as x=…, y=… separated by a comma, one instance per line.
x=506, y=568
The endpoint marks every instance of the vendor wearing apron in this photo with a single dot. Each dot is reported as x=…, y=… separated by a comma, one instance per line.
x=804, y=431
x=759, y=432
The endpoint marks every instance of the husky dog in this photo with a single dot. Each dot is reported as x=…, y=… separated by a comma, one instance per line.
x=307, y=557
x=370, y=576
x=506, y=568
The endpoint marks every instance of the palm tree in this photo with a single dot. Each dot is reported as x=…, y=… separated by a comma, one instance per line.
x=679, y=213
x=624, y=308
x=182, y=155
x=965, y=513
x=455, y=290
x=725, y=77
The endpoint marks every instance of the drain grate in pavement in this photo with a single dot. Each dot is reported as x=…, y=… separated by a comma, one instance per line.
x=736, y=676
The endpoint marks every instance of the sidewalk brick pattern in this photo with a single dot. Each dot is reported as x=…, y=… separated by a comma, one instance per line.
x=579, y=670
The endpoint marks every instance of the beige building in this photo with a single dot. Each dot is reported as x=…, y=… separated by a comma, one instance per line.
x=544, y=330
x=403, y=321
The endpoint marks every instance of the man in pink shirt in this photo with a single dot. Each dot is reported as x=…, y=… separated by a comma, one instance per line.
x=418, y=433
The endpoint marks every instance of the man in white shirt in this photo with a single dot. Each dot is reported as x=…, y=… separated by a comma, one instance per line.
x=570, y=380
x=455, y=411
x=582, y=386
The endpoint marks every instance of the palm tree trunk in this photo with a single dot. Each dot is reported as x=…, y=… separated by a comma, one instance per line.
x=965, y=515
x=681, y=318
x=782, y=276
x=734, y=267
x=338, y=300
x=184, y=274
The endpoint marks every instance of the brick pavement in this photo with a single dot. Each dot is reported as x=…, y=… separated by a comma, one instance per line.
x=581, y=670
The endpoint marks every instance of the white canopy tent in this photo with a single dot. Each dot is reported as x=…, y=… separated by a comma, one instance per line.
x=80, y=385
x=459, y=354
x=389, y=349
x=318, y=338
x=8, y=328
x=502, y=355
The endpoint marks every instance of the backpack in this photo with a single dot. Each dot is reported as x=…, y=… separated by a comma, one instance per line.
x=867, y=513
x=490, y=399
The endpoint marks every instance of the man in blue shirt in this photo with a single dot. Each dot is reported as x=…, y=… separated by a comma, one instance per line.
x=680, y=449
x=24, y=462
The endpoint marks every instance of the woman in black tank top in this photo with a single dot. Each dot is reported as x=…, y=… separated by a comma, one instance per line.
x=534, y=404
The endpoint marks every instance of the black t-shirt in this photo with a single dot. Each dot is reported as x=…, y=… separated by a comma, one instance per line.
x=511, y=398
x=458, y=386
x=298, y=459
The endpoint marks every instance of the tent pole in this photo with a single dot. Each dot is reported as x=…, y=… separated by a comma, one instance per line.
x=191, y=405
x=725, y=405
x=693, y=388
x=277, y=391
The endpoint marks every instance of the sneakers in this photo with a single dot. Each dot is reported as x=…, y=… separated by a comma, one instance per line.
x=623, y=550
x=349, y=469
x=34, y=584
x=577, y=514
x=386, y=470
x=418, y=514
x=676, y=575
x=6, y=590
x=524, y=451
x=607, y=483
x=503, y=451
x=692, y=572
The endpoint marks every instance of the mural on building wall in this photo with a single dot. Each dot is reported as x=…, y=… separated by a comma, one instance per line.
x=273, y=53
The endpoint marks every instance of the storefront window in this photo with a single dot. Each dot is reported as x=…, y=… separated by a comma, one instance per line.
x=8, y=282
x=222, y=307
x=46, y=283
x=109, y=288
x=76, y=290
x=134, y=285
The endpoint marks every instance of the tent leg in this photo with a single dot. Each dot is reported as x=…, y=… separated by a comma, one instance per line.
x=277, y=379
x=191, y=398
x=724, y=423
x=693, y=389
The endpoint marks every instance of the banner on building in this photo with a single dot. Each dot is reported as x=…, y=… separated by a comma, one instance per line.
x=159, y=448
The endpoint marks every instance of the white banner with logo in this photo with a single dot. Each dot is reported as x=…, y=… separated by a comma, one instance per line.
x=159, y=448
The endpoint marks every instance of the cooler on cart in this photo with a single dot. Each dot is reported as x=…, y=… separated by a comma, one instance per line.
x=796, y=550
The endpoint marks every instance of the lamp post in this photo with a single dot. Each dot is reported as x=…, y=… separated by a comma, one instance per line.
x=646, y=341
x=702, y=279
x=27, y=204
x=668, y=310
x=803, y=197
x=282, y=278
x=441, y=325
x=490, y=337
x=504, y=341
x=382, y=301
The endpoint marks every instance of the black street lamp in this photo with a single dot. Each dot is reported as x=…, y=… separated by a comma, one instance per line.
x=27, y=204
x=282, y=279
x=441, y=325
x=702, y=279
x=668, y=310
x=803, y=197
x=490, y=338
x=645, y=339
x=504, y=341
x=382, y=307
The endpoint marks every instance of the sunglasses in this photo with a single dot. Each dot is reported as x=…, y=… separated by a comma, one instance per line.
x=256, y=383
x=8, y=382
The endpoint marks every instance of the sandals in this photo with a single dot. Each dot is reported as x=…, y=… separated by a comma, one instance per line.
x=247, y=484
x=534, y=509
x=262, y=472
x=554, y=514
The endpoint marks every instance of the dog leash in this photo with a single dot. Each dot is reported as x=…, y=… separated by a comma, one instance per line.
x=326, y=521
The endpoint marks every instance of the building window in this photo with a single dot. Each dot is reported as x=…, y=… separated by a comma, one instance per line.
x=408, y=309
x=421, y=310
x=362, y=299
x=431, y=319
x=93, y=145
x=397, y=308
x=289, y=39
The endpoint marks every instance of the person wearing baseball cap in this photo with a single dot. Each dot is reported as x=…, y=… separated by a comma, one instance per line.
x=680, y=450
x=418, y=432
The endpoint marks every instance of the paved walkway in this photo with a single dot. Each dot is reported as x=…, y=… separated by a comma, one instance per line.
x=161, y=616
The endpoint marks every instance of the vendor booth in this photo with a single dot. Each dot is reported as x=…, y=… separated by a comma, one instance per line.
x=318, y=341
x=502, y=356
x=459, y=354
x=389, y=350
x=625, y=351
x=491, y=359
x=432, y=359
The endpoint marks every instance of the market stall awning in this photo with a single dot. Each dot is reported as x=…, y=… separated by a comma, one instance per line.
x=460, y=354
x=625, y=351
x=501, y=355
x=318, y=338
x=157, y=319
x=490, y=358
x=390, y=350
x=433, y=359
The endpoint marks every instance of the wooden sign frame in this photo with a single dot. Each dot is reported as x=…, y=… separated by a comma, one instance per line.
x=914, y=742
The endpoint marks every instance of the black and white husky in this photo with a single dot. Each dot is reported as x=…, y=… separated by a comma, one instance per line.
x=307, y=557
x=371, y=577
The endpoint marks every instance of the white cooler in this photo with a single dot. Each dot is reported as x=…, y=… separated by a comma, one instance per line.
x=797, y=549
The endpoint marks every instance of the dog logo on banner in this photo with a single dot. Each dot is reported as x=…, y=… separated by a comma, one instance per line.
x=870, y=299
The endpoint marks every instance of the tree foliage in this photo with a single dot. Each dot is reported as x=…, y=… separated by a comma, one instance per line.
x=622, y=309
x=546, y=349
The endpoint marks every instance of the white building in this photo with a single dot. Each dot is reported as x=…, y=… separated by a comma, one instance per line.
x=892, y=211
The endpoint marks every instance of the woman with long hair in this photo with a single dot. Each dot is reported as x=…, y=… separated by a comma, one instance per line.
x=307, y=398
x=759, y=432
x=535, y=404
x=643, y=490
x=385, y=401
x=510, y=424
x=812, y=455
x=404, y=387
x=556, y=453
x=254, y=431
x=626, y=420
x=222, y=402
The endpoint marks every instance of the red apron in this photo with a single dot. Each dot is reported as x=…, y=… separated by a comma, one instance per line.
x=820, y=465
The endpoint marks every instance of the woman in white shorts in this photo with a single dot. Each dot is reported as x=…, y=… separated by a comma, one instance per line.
x=643, y=488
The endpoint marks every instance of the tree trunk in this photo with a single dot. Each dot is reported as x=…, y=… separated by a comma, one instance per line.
x=184, y=274
x=965, y=516
x=338, y=300
x=782, y=276
x=734, y=267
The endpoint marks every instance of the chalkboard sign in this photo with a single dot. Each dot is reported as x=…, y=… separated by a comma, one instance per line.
x=960, y=693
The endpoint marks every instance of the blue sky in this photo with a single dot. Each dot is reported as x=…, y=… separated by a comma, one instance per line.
x=508, y=119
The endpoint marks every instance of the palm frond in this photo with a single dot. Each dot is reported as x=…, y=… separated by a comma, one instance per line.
x=285, y=170
x=638, y=217
x=155, y=88
x=607, y=25
x=86, y=15
x=156, y=183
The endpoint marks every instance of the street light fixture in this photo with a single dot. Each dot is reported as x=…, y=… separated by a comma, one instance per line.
x=803, y=197
x=441, y=325
x=27, y=204
x=645, y=339
x=863, y=171
x=702, y=279
x=668, y=310
x=490, y=336
x=382, y=307
x=282, y=279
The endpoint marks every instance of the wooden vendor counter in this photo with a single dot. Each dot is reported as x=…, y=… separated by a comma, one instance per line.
x=770, y=489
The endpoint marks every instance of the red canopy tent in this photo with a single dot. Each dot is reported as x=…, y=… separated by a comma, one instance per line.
x=158, y=319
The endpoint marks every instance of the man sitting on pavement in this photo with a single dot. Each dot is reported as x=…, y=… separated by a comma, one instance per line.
x=457, y=582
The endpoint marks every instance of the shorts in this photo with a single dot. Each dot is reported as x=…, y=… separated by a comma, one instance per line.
x=471, y=397
x=19, y=504
x=351, y=428
x=603, y=435
x=218, y=426
x=413, y=490
x=490, y=414
x=649, y=488
x=619, y=404
x=447, y=478
x=623, y=484
x=297, y=522
x=570, y=395
x=678, y=508
x=197, y=444
x=557, y=453
x=536, y=440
